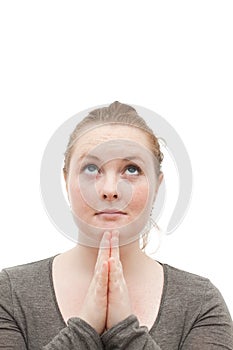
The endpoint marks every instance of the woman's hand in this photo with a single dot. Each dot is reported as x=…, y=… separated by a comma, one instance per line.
x=94, y=309
x=107, y=301
x=119, y=306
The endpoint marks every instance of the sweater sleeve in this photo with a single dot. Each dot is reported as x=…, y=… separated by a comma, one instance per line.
x=213, y=328
x=78, y=335
x=127, y=334
x=11, y=336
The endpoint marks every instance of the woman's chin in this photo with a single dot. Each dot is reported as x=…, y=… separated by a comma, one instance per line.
x=91, y=235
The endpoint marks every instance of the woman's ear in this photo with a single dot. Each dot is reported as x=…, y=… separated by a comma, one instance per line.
x=159, y=181
x=65, y=178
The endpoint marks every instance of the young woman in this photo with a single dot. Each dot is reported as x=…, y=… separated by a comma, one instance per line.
x=105, y=293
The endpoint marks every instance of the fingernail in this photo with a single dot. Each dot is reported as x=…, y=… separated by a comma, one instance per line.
x=115, y=240
x=106, y=234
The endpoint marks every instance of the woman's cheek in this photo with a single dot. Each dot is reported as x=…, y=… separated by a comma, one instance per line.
x=140, y=197
x=76, y=198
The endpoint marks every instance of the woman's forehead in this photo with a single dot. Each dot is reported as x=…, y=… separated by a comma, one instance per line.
x=115, y=137
x=115, y=150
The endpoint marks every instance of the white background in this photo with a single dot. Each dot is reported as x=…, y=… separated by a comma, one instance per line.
x=174, y=57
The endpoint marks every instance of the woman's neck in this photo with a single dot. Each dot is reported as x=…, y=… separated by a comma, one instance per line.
x=131, y=258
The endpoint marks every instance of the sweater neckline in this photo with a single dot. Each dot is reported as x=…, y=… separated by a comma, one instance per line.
x=163, y=296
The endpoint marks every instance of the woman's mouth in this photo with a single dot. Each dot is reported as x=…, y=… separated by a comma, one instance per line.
x=110, y=214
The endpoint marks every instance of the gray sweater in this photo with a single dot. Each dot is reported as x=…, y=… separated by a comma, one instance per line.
x=192, y=315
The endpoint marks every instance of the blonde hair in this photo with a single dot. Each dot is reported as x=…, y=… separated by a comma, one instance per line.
x=115, y=113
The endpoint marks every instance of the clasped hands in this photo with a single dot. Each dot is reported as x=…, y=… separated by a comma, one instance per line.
x=107, y=301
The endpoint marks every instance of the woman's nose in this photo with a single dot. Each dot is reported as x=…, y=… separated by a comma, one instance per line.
x=108, y=187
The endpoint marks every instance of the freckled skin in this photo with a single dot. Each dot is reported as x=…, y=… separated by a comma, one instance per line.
x=113, y=186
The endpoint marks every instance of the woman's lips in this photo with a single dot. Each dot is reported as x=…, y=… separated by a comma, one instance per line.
x=110, y=214
x=110, y=211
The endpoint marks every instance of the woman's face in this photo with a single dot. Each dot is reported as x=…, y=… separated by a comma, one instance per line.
x=112, y=182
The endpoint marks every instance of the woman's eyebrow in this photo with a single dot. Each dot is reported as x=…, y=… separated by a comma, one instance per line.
x=136, y=158
x=126, y=159
x=87, y=156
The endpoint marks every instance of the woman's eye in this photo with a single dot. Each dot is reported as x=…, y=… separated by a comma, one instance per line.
x=132, y=170
x=91, y=169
